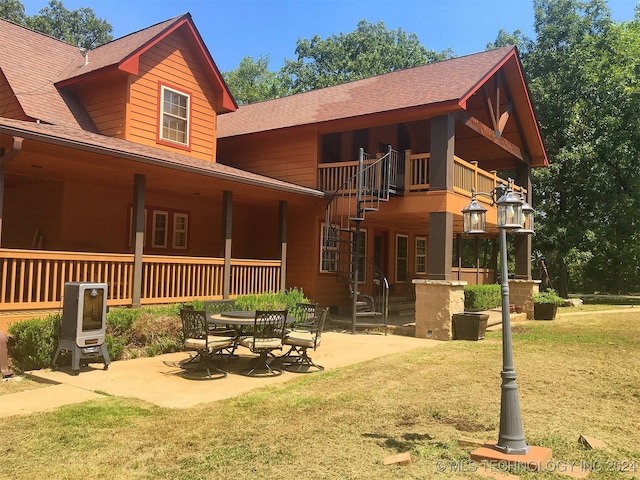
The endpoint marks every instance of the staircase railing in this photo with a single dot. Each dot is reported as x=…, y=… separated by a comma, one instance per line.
x=374, y=182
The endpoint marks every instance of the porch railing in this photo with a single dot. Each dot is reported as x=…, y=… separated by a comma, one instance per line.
x=465, y=175
x=34, y=279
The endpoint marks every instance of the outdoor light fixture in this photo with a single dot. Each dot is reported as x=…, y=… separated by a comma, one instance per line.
x=516, y=215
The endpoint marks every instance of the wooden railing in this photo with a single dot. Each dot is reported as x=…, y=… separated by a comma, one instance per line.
x=34, y=279
x=466, y=175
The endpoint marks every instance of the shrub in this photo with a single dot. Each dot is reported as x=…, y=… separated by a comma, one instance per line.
x=34, y=342
x=549, y=296
x=482, y=297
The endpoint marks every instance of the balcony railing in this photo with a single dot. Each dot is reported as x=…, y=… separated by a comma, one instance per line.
x=465, y=175
x=34, y=279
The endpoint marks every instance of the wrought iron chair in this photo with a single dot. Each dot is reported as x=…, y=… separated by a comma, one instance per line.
x=305, y=314
x=268, y=335
x=302, y=340
x=196, y=338
x=212, y=307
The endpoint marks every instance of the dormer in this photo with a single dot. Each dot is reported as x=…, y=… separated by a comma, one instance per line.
x=158, y=87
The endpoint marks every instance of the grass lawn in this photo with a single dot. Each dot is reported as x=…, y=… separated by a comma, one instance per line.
x=579, y=374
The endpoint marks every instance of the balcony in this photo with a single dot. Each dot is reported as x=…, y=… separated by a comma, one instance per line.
x=466, y=175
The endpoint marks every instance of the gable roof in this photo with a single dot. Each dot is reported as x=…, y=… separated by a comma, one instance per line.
x=124, y=54
x=36, y=65
x=447, y=84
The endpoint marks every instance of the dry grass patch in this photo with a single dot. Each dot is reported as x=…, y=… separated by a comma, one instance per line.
x=577, y=375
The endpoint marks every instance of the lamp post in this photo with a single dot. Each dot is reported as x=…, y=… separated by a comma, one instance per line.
x=516, y=215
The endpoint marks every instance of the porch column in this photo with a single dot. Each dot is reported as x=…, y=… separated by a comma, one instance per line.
x=139, y=186
x=442, y=148
x=522, y=243
x=5, y=157
x=440, y=252
x=283, y=216
x=227, y=220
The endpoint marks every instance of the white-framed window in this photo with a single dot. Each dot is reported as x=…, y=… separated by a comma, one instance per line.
x=362, y=256
x=328, y=250
x=174, y=116
x=402, y=257
x=159, y=229
x=180, y=229
x=421, y=255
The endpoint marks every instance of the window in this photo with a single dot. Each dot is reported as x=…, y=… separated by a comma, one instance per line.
x=402, y=256
x=174, y=116
x=421, y=255
x=328, y=250
x=160, y=220
x=362, y=256
x=180, y=224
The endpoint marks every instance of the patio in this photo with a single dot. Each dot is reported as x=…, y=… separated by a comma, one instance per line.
x=151, y=380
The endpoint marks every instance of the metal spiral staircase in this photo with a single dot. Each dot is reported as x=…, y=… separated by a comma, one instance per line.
x=375, y=181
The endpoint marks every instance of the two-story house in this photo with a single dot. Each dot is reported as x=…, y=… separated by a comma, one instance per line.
x=131, y=164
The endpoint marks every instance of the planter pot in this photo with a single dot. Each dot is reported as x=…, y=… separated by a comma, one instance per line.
x=469, y=325
x=544, y=311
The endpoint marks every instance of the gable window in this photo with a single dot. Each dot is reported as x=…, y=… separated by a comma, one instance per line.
x=175, y=110
x=402, y=257
x=421, y=255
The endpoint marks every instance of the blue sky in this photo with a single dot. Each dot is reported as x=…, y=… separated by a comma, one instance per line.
x=234, y=29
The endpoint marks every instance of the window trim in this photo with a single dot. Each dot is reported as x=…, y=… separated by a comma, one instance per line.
x=185, y=231
x=153, y=228
x=406, y=259
x=324, y=258
x=416, y=255
x=160, y=139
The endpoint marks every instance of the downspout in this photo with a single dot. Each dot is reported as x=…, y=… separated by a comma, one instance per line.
x=5, y=158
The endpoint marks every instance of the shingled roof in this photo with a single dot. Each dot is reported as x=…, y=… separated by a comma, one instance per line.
x=115, y=147
x=36, y=66
x=445, y=82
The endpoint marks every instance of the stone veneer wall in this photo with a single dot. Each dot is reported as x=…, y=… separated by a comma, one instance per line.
x=436, y=302
x=521, y=295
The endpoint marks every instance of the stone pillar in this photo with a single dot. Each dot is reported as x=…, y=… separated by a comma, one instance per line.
x=436, y=302
x=521, y=295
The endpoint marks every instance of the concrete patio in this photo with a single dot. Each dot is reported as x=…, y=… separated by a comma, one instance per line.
x=155, y=381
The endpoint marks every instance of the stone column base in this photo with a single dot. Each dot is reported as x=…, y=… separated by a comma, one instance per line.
x=521, y=295
x=436, y=302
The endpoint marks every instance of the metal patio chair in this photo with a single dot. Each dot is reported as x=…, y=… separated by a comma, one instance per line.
x=196, y=338
x=267, y=336
x=301, y=339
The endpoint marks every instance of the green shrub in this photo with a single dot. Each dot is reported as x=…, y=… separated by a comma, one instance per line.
x=549, y=296
x=482, y=297
x=130, y=332
x=34, y=342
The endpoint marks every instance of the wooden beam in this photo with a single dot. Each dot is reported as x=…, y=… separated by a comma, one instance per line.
x=227, y=228
x=139, y=188
x=479, y=127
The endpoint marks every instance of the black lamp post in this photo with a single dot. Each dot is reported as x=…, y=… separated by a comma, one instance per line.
x=516, y=215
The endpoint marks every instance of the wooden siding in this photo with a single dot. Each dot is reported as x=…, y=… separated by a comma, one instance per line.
x=9, y=105
x=287, y=156
x=173, y=62
x=105, y=101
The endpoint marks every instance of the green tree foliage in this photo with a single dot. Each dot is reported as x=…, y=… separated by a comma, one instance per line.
x=253, y=82
x=584, y=76
x=78, y=27
x=13, y=11
x=370, y=50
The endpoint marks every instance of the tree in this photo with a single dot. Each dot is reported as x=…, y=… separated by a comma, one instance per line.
x=253, y=82
x=583, y=76
x=13, y=11
x=78, y=27
x=369, y=50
